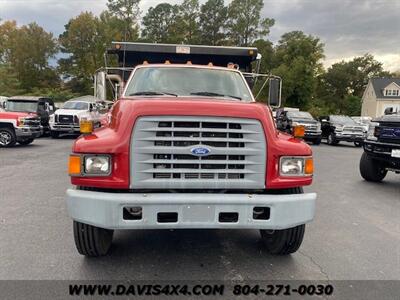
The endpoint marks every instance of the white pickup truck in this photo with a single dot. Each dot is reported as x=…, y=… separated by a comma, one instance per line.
x=67, y=118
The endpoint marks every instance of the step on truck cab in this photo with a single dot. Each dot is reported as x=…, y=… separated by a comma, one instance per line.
x=187, y=146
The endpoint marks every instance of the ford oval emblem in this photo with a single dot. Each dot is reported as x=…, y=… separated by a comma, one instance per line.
x=200, y=151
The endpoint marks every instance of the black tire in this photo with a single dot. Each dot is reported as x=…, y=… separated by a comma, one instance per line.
x=54, y=134
x=317, y=141
x=331, y=139
x=371, y=169
x=358, y=144
x=7, y=137
x=26, y=142
x=92, y=241
x=285, y=241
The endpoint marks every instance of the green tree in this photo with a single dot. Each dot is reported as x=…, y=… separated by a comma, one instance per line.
x=245, y=23
x=344, y=79
x=9, y=83
x=26, y=51
x=298, y=62
x=128, y=12
x=84, y=43
x=190, y=10
x=161, y=24
x=213, y=18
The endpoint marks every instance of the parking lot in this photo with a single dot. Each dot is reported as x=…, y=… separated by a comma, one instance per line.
x=355, y=235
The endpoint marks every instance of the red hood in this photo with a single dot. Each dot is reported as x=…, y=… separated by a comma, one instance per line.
x=15, y=115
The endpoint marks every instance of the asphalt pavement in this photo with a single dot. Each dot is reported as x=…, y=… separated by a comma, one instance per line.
x=355, y=235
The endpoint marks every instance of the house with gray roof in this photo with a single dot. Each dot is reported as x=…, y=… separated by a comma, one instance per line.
x=381, y=93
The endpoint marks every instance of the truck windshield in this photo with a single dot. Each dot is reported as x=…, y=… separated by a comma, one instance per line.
x=22, y=106
x=299, y=115
x=185, y=81
x=76, y=105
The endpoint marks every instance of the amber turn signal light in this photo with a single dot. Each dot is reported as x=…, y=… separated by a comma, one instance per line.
x=86, y=127
x=299, y=131
x=309, y=166
x=74, y=165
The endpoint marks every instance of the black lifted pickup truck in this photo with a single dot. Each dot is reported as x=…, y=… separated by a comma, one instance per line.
x=337, y=128
x=287, y=119
x=381, y=148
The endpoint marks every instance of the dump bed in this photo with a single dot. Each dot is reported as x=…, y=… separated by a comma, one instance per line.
x=133, y=54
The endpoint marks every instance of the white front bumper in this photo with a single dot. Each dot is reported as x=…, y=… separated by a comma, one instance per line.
x=195, y=210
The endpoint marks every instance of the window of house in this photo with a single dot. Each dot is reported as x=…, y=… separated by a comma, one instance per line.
x=392, y=93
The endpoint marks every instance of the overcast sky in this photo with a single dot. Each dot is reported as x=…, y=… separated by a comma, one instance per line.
x=347, y=27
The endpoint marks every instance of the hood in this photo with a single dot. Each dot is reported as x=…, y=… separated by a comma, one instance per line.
x=74, y=112
x=11, y=114
x=192, y=106
x=388, y=118
x=304, y=121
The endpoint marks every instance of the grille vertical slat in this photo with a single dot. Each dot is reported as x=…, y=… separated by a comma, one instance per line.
x=162, y=158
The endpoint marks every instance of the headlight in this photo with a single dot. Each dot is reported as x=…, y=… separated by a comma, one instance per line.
x=97, y=165
x=296, y=166
x=318, y=126
x=89, y=165
x=338, y=127
x=295, y=124
x=371, y=131
x=51, y=119
x=21, y=121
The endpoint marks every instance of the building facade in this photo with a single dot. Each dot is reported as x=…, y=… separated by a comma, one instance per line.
x=380, y=94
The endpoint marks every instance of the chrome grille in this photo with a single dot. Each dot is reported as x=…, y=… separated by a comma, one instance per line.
x=161, y=152
x=353, y=129
x=65, y=119
x=311, y=127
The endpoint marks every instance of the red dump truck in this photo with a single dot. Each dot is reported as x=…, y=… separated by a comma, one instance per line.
x=187, y=146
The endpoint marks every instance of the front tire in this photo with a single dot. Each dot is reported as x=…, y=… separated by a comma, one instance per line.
x=331, y=139
x=371, y=169
x=7, y=137
x=92, y=241
x=285, y=241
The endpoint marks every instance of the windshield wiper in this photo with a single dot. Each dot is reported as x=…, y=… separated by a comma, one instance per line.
x=152, y=93
x=211, y=94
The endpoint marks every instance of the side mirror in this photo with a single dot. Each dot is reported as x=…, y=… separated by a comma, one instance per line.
x=275, y=92
x=388, y=111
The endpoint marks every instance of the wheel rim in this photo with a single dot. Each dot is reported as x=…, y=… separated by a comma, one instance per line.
x=5, y=138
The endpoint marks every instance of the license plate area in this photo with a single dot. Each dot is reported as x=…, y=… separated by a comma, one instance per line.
x=198, y=213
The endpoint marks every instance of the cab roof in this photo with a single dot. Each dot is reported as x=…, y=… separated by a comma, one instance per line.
x=27, y=98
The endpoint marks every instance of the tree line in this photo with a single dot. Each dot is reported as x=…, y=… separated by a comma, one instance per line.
x=33, y=61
